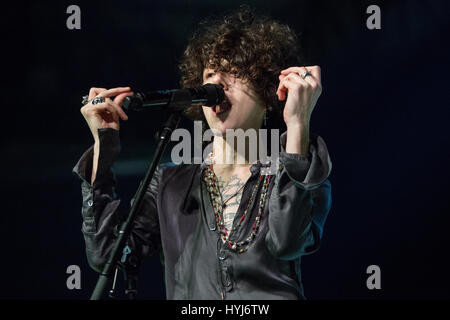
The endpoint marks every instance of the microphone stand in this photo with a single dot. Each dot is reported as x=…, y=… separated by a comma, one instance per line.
x=113, y=260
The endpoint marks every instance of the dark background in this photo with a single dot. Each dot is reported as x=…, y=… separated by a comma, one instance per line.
x=383, y=114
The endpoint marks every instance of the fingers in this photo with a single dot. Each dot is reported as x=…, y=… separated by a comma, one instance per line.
x=108, y=106
x=295, y=78
x=114, y=92
x=311, y=80
x=102, y=92
x=290, y=83
x=292, y=75
x=293, y=83
x=119, y=98
x=114, y=106
x=282, y=89
x=118, y=108
x=93, y=92
x=313, y=70
x=316, y=73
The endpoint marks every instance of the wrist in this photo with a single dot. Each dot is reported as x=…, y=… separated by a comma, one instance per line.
x=297, y=120
x=297, y=138
x=297, y=125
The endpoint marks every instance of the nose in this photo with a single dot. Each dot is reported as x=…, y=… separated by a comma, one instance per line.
x=220, y=80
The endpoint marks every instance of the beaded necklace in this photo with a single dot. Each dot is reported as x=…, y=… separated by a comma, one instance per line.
x=213, y=187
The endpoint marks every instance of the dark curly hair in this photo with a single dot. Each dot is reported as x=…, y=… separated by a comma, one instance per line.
x=255, y=47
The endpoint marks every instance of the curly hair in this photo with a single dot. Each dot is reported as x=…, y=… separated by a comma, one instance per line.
x=255, y=48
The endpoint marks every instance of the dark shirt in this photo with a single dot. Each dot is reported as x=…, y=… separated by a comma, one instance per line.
x=177, y=220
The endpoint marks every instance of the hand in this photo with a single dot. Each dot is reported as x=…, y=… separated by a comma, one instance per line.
x=108, y=113
x=303, y=94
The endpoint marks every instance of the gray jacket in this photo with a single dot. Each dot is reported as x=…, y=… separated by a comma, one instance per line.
x=177, y=220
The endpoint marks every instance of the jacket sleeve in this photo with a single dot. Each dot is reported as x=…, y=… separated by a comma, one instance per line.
x=300, y=201
x=100, y=203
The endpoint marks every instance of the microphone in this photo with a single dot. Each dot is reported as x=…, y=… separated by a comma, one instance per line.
x=176, y=99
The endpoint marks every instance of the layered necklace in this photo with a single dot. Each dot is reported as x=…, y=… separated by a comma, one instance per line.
x=214, y=192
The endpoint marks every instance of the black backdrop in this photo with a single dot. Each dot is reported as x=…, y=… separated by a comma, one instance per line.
x=383, y=114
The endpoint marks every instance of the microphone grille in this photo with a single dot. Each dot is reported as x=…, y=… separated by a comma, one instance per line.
x=214, y=94
x=133, y=103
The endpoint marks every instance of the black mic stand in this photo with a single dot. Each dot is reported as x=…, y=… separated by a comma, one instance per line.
x=112, y=264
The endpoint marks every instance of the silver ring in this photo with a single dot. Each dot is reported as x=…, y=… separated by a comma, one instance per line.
x=98, y=100
x=85, y=100
x=305, y=74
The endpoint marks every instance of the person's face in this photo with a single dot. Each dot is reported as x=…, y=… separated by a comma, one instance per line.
x=245, y=109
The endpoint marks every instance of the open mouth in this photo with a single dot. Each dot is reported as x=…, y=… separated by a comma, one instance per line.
x=222, y=108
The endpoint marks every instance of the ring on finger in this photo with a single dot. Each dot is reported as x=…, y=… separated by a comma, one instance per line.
x=304, y=74
x=98, y=100
x=85, y=100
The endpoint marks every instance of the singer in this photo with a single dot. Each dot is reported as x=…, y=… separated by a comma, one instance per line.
x=224, y=231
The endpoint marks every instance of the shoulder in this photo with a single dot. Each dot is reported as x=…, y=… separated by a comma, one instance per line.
x=170, y=170
x=176, y=184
